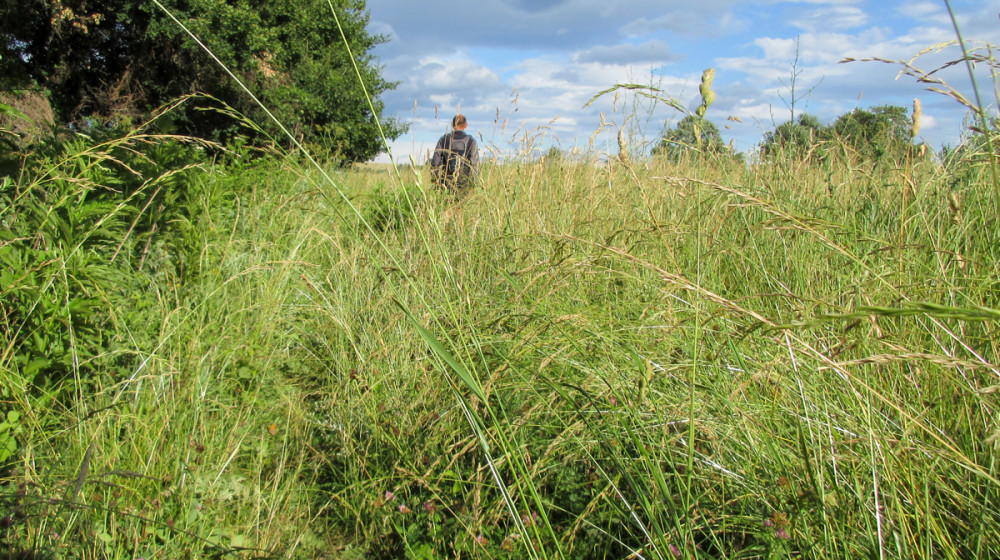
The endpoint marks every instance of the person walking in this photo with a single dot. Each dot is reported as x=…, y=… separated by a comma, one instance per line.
x=455, y=163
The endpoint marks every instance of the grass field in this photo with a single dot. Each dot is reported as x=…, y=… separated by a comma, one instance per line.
x=699, y=359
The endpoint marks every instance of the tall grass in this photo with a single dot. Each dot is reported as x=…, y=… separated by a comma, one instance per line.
x=642, y=358
x=681, y=358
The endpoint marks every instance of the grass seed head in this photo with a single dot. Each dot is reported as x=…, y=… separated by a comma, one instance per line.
x=622, y=146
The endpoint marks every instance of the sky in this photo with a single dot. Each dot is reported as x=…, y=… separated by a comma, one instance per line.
x=523, y=71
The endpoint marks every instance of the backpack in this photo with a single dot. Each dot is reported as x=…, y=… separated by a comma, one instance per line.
x=455, y=154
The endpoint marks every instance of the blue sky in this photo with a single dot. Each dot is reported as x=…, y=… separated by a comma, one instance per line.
x=523, y=70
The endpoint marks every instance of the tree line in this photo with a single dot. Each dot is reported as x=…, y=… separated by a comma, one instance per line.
x=103, y=63
x=874, y=133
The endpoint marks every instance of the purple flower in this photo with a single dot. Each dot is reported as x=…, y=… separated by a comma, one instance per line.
x=782, y=534
x=674, y=550
x=529, y=520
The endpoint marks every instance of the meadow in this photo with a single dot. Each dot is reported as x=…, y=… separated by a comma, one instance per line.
x=698, y=358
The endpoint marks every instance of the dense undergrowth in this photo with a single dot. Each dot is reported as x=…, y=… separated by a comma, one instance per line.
x=224, y=356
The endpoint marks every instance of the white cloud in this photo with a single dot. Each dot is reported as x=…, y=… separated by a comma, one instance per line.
x=454, y=75
x=525, y=63
x=832, y=18
x=921, y=10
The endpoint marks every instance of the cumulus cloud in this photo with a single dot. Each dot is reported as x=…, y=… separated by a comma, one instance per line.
x=453, y=76
x=516, y=66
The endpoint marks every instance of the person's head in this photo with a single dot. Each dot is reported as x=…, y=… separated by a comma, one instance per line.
x=459, y=122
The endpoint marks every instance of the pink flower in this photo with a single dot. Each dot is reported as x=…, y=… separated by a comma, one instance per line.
x=782, y=534
x=384, y=498
x=674, y=550
x=403, y=508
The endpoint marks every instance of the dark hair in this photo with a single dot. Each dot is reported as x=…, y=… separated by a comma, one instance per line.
x=459, y=120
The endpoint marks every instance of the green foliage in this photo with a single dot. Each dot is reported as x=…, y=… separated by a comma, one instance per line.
x=574, y=361
x=10, y=429
x=878, y=134
x=730, y=373
x=692, y=135
x=389, y=209
x=290, y=53
x=881, y=132
x=795, y=137
x=77, y=231
x=8, y=115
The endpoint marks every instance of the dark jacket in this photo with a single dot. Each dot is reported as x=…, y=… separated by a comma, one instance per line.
x=456, y=161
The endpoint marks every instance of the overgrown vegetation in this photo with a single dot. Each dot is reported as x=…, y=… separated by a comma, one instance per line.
x=209, y=353
x=879, y=134
x=102, y=63
x=697, y=360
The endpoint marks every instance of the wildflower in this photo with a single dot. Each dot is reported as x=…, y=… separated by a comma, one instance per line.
x=481, y=540
x=782, y=534
x=779, y=519
x=385, y=498
x=674, y=550
x=403, y=509
x=430, y=507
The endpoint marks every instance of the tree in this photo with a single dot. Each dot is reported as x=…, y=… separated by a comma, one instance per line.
x=693, y=134
x=794, y=136
x=112, y=59
x=876, y=133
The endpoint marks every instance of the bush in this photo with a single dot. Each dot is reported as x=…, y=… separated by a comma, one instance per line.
x=692, y=135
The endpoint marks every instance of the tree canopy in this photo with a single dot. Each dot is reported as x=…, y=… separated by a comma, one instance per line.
x=115, y=59
x=693, y=134
x=882, y=131
x=795, y=135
